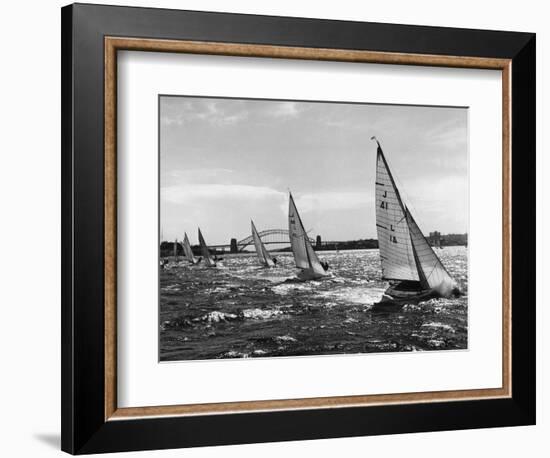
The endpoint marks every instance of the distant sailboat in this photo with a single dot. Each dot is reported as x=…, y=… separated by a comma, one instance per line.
x=263, y=255
x=207, y=258
x=305, y=257
x=175, y=250
x=188, y=251
x=408, y=261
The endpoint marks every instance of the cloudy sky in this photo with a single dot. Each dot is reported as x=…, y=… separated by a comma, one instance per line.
x=225, y=161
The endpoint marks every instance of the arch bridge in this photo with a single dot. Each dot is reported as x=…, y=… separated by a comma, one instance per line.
x=269, y=236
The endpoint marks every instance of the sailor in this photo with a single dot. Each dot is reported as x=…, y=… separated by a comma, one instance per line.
x=325, y=265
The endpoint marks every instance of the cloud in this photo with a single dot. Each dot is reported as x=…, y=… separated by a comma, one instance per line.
x=193, y=193
x=284, y=110
x=327, y=201
x=325, y=147
x=450, y=134
x=225, y=210
x=332, y=201
x=200, y=174
x=207, y=110
x=442, y=205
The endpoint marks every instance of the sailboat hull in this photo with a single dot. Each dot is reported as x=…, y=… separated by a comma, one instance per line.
x=408, y=292
x=405, y=292
x=308, y=274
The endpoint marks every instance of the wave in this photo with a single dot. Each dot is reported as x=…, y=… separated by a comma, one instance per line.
x=446, y=327
x=234, y=354
x=285, y=289
x=243, y=308
x=436, y=343
x=242, y=354
x=172, y=287
x=285, y=338
x=355, y=295
x=261, y=314
x=350, y=320
x=218, y=316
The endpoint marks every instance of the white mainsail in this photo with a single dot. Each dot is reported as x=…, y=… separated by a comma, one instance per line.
x=263, y=255
x=394, y=241
x=404, y=251
x=188, y=251
x=304, y=255
x=207, y=258
x=432, y=271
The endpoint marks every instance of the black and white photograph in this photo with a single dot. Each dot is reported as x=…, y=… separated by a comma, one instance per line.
x=300, y=228
x=275, y=229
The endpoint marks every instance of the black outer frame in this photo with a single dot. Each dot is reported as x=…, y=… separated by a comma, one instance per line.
x=84, y=429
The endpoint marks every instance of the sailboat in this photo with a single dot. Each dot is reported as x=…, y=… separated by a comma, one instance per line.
x=263, y=255
x=188, y=251
x=305, y=257
x=408, y=261
x=176, y=251
x=207, y=258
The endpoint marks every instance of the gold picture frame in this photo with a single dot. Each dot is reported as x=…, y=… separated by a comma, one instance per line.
x=115, y=44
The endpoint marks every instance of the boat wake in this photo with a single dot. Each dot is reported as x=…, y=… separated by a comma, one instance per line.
x=354, y=295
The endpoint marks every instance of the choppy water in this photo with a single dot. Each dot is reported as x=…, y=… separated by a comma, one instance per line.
x=243, y=310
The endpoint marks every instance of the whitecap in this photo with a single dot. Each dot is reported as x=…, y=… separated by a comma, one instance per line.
x=436, y=343
x=216, y=317
x=260, y=314
x=286, y=288
x=218, y=289
x=285, y=338
x=446, y=327
x=234, y=354
x=173, y=287
x=355, y=295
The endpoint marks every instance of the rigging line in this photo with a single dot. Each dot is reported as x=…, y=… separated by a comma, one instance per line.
x=431, y=271
x=402, y=190
x=308, y=257
x=301, y=237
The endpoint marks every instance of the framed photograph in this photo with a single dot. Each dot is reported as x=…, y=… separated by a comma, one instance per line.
x=281, y=228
